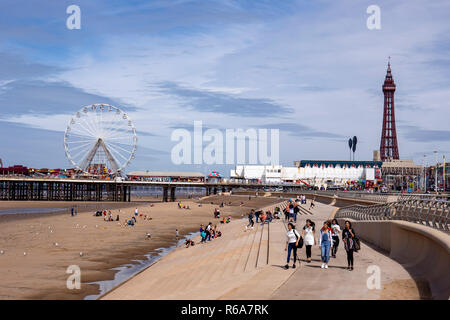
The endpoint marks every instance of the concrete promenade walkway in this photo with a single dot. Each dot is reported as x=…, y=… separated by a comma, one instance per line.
x=249, y=265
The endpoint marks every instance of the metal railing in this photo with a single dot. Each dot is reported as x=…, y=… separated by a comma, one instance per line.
x=378, y=197
x=429, y=212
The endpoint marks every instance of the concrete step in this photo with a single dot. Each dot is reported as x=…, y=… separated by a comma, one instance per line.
x=253, y=254
x=228, y=261
x=218, y=262
x=204, y=264
x=263, y=248
x=243, y=252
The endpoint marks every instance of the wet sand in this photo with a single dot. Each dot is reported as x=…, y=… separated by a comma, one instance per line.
x=32, y=266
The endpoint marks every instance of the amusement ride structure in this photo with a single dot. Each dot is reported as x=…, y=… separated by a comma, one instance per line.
x=100, y=138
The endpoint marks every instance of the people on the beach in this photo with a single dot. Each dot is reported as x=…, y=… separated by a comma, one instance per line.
x=309, y=236
x=348, y=236
x=189, y=243
x=216, y=213
x=208, y=231
x=177, y=234
x=292, y=238
x=325, y=244
x=335, y=230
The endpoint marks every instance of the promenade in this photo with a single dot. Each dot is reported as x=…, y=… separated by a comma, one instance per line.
x=249, y=265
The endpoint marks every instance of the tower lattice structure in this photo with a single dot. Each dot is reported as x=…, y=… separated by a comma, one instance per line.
x=388, y=145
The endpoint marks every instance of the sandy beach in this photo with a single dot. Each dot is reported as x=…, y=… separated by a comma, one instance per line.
x=38, y=248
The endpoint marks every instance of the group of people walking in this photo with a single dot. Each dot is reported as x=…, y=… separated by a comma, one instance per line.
x=293, y=209
x=328, y=241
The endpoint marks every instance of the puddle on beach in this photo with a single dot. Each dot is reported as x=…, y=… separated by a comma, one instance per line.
x=129, y=270
x=31, y=210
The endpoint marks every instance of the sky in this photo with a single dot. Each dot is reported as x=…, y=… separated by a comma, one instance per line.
x=311, y=69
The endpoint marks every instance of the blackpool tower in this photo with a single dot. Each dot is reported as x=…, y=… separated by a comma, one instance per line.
x=388, y=145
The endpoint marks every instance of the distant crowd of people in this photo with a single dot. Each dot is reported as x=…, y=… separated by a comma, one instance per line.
x=108, y=216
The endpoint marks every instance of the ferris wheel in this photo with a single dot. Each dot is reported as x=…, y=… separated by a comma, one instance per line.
x=100, y=136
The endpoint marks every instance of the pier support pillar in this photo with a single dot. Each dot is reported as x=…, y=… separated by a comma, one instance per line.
x=172, y=194
x=165, y=194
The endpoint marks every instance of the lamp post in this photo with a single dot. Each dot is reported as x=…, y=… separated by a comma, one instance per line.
x=443, y=173
x=435, y=173
x=425, y=171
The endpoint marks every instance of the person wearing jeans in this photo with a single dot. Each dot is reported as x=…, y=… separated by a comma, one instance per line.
x=292, y=238
x=308, y=235
x=325, y=243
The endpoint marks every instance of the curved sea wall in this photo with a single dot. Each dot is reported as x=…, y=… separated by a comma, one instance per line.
x=423, y=251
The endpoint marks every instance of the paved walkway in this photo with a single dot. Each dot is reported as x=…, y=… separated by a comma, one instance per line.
x=249, y=265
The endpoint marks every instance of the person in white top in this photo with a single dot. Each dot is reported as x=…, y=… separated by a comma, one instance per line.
x=136, y=212
x=309, y=235
x=335, y=231
x=292, y=238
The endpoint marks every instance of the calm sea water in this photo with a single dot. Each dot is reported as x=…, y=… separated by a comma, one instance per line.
x=31, y=210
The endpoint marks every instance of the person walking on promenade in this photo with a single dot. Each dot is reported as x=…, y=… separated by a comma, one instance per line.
x=312, y=205
x=257, y=214
x=296, y=211
x=335, y=230
x=325, y=244
x=286, y=214
x=250, y=220
x=348, y=234
x=308, y=235
x=292, y=238
x=291, y=211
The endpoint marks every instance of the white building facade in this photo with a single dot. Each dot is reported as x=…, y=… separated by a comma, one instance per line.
x=318, y=173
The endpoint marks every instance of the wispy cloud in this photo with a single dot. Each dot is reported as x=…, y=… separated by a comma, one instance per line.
x=218, y=102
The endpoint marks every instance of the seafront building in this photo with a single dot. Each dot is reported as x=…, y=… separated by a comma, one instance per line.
x=317, y=173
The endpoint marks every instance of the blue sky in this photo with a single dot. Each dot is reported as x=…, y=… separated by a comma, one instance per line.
x=310, y=68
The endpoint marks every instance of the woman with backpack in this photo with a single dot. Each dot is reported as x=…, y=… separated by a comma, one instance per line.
x=325, y=244
x=348, y=237
x=308, y=235
x=292, y=239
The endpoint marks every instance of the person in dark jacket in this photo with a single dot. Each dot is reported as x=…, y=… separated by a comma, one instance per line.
x=348, y=236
